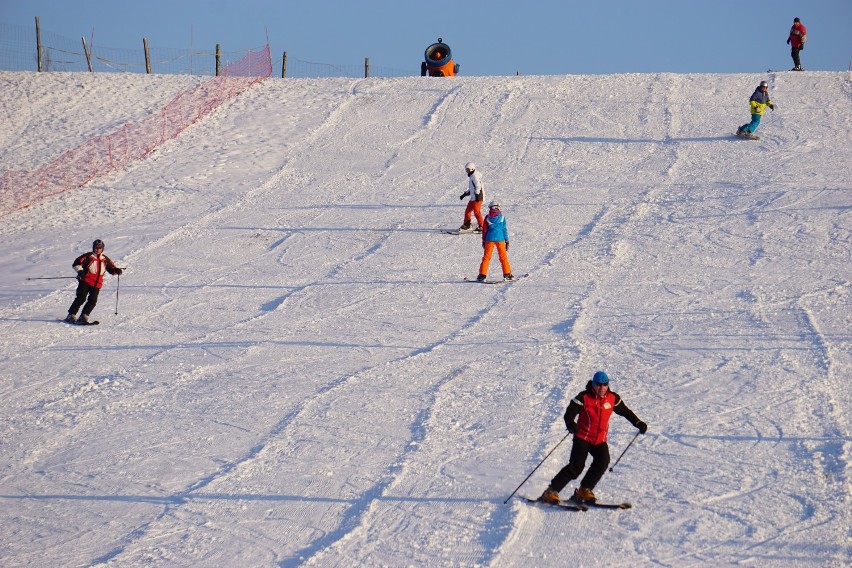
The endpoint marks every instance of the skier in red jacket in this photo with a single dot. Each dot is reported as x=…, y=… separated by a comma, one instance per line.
x=796, y=40
x=90, y=269
x=592, y=410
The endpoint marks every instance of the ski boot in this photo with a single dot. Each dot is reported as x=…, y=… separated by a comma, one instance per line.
x=508, y=276
x=465, y=226
x=83, y=319
x=480, y=278
x=583, y=495
x=70, y=318
x=549, y=496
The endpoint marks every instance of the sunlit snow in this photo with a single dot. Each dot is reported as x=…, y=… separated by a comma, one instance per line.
x=297, y=372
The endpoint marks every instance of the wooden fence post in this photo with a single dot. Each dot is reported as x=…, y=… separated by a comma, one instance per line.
x=38, y=43
x=284, y=66
x=88, y=54
x=147, y=56
x=366, y=67
x=218, y=58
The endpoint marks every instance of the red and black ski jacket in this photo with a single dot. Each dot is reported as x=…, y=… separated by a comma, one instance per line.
x=94, y=267
x=592, y=414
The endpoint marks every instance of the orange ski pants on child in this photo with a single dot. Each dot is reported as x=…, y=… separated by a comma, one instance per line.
x=501, y=253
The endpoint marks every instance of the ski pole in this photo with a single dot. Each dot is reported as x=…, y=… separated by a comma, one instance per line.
x=117, y=286
x=51, y=278
x=625, y=451
x=536, y=467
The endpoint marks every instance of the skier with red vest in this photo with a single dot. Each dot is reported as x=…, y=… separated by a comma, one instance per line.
x=587, y=417
x=90, y=269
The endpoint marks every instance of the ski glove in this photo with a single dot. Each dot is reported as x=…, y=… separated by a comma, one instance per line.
x=463, y=195
x=642, y=427
x=788, y=41
x=80, y=276
x=119, y=271
x=507, y=245
x=771, y=106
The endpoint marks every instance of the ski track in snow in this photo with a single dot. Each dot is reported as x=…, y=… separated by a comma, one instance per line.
x=298, y=377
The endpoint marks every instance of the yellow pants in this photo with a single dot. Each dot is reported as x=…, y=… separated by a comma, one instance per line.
x=501, y=253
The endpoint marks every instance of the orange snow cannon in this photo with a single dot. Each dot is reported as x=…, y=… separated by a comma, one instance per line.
x=439, y=61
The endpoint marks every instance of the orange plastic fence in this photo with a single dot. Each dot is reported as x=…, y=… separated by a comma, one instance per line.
x=106, y=153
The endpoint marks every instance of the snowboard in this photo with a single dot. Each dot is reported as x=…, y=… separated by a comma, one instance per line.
x=747, y=135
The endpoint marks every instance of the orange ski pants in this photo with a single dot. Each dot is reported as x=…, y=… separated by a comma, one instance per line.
x=474, y=209
x=501, y=253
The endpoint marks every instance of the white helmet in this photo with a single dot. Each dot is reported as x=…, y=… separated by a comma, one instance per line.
x=494, y=205
x=470, y=167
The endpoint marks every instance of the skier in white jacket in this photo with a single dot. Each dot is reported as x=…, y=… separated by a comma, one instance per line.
x=476, y=193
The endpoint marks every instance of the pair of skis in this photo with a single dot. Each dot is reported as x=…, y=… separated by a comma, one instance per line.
x=81, y=322
x=503, y=281
x=461, y=232
x=571, y=505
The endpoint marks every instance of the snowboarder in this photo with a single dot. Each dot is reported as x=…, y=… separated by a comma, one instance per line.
x=594, y=406
x=495, y=235
x=796, y=40
x=757, y=103
x=476, y=192
x=90, y=269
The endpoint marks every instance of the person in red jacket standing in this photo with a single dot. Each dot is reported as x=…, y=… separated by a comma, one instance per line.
x=796, y=40
x=592, y=410
x=90, y=269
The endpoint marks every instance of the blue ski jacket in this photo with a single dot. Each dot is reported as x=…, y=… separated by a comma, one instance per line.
x=495, y=229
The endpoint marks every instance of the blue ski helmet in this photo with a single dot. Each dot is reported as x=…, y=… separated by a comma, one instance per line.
x=600, y=378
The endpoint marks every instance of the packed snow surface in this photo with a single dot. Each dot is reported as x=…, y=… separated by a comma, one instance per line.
x=293, y=371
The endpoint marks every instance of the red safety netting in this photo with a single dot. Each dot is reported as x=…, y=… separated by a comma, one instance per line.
x=110, y=152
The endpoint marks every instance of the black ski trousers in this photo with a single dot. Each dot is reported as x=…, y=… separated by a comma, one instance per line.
x=794, y=52
x=84, y=291
x=580, y=451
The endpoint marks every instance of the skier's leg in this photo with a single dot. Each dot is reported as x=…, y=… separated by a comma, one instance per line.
x=600, y=461
x=486, y=257
x=504, y=258
x=80, y=298
x=576, y=463
x=477, y=211
x=468, y=213
x=93, y=301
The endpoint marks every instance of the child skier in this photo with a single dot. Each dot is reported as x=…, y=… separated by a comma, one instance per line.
x=594, y=406
x=476, y=192
x=495, y=235
x=757, y=103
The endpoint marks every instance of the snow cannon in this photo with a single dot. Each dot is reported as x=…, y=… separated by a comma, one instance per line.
x=439, y=61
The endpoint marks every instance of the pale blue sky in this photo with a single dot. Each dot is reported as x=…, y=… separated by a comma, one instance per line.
x=487, y=37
